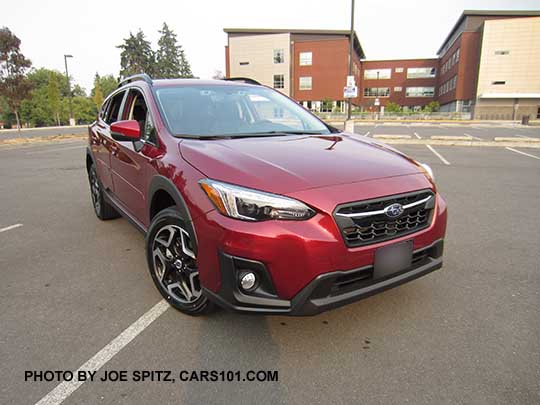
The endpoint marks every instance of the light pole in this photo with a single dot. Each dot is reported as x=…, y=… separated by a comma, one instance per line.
x=351, y=40
x=71, y=119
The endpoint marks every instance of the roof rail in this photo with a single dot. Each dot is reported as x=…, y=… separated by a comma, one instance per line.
x=246, y=80
x=141, y=76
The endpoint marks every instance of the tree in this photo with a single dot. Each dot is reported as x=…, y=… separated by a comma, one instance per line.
x=392, y=107
x=107, y=84
x=14, y=85
x=97, y=94
x=432, y=107
x=136, y=56
x=171, y=61
x=54, y=97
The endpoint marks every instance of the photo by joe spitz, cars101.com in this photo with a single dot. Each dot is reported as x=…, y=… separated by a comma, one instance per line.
x=252, y=203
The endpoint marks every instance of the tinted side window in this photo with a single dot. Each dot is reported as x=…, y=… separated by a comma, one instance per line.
x=103, y=111
x=114, y=108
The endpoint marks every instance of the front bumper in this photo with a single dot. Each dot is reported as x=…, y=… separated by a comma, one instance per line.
x=326, y=291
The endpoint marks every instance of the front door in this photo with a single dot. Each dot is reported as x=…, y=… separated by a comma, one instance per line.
x=130, y=160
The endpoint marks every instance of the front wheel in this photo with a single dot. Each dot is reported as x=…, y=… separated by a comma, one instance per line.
x=173, y=263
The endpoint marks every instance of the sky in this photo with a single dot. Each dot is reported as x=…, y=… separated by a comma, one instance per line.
x=91, y=30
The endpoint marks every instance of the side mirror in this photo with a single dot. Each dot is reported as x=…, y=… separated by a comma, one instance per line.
x=126, y=131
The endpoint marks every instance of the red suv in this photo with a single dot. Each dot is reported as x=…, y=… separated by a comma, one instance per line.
x=251, y=202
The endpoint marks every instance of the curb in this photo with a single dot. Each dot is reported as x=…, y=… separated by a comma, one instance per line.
x=452, y=138
x=44, y=128
x=514, y=143
x=41, y=139
x=506, y=139
x=392, y=136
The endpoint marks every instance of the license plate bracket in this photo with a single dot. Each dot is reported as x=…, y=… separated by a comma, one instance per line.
x=392, y=259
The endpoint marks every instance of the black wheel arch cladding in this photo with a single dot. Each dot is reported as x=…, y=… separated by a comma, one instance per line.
x=162, y=183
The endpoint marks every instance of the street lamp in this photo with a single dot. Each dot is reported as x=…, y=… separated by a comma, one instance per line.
x=351, y=39
x=71, y=119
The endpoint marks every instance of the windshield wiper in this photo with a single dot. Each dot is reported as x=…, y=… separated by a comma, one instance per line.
x=248, y=135
x=285, y=132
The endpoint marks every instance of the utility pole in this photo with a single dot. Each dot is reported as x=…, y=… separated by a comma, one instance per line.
x=351, y=40
x=71, y=119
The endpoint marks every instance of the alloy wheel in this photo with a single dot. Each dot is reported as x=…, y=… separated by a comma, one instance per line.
x=175, y=264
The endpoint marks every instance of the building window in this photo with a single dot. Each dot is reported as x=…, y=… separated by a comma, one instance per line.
x=457, y=54
x=305, y=58
x=279, y=82
x=327, y=106
x=422, y=72
x=420, y=91
x=305, y=83
x=377, y=92
x=505, y=52
x=538, y=113
x=377, y=73
x=244, y=63
x=398, y=88
x=498, y=82
x=399, y=70
x=279, y=56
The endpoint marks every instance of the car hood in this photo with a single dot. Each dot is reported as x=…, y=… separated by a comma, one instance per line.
x=285, y=164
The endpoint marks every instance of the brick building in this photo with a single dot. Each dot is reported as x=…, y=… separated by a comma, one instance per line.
x=487, y=65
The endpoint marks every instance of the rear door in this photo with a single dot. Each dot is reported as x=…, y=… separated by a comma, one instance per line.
x=130, y=160
x=102, y=143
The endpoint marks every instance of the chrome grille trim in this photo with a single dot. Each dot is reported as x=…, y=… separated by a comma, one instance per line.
x=379, y=212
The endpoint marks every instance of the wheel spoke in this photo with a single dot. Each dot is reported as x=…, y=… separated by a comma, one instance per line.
x=159, y=254
x=192, y=283
x=185, y=247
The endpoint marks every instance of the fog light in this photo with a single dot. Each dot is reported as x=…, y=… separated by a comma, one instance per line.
x=248, y=281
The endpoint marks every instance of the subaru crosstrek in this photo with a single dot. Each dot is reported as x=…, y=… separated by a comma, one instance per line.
x=251, y=202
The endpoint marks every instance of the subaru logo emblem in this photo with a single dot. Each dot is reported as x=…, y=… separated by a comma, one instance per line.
x=394, y=210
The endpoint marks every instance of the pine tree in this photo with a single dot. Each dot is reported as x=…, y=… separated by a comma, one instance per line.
x=53, y=95
x=171, y=61
x=136, y=56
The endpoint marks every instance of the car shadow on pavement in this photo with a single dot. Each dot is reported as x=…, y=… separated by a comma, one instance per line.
x=332, y=342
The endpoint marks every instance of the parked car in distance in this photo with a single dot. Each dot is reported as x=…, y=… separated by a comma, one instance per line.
x=250, y=202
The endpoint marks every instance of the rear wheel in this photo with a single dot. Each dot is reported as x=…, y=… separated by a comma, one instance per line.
x=173, y=263
x=102, y=208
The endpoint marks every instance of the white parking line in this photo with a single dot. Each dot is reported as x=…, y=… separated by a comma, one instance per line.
x=367, y=133
x=523, y=153
x=9, y=228
x=418, y=136
x=473, y=137
x=66, y=388
x=446, y=162
x=55, y=150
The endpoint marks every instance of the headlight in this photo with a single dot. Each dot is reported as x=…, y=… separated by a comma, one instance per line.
x=253, y=205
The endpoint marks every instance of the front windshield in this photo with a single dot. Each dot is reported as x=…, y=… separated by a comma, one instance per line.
x=228, y=110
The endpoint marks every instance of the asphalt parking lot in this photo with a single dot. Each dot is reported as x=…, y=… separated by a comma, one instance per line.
x=469, y=333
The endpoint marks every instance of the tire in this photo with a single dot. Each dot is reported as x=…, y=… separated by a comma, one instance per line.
x=102, y=208
x=173, y=264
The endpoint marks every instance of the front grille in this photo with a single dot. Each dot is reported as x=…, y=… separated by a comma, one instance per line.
x=364, y=222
